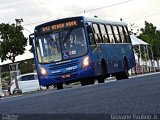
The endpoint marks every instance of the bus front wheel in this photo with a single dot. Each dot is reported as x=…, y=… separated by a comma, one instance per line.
x=101, y=78
x=87, y=81
x=59, y=86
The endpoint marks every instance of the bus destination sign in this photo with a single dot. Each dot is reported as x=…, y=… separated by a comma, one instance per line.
x=59, y=26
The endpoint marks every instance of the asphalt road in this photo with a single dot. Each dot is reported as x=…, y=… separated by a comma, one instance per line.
x=137, y=95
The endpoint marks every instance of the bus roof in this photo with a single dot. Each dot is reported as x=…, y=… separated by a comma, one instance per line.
x=87, y=19
x=105, y=21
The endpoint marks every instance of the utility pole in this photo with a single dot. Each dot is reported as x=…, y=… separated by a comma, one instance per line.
x=14, y=72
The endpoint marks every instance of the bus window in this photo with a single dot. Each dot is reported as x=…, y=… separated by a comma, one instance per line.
x=92, y=41
x=110, y=33
x=116, y=34
x=48, y=48
x=97, y=33
x=122, y=34
x=104, y=34
x=127, y=34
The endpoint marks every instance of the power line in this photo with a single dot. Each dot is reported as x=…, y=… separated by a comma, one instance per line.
x=144, y=17
x=79, y=12
x=98, y=8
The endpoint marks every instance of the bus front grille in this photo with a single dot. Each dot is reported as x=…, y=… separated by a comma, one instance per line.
x=64, y=65
x=61, y=73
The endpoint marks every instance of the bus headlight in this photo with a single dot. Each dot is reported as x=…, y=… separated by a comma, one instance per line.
x=43, y=71
x=86, y=61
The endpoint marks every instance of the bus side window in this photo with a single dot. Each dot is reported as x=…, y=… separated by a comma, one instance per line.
x=127, y=34
x=91, y=37
x=122, y=34
x=116, y=34
x=110, y=33
x=97, y=33
x=104, y=34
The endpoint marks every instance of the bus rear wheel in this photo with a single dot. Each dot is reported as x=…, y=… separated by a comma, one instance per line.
x=47, y=87
x=119, y=76
x=124, y=74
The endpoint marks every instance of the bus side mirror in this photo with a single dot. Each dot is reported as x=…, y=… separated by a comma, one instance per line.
x=89, y=29
x=31, y=38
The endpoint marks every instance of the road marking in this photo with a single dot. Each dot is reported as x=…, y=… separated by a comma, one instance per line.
x=147, y=74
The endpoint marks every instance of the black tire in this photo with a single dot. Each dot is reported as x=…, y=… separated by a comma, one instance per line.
x=91, y=81
x=87, y=81
x=13, y=92
x=17, y=92
x=102, y=78
x=59, y=86
x=125, y=73
x=83, y=82
x=119, y=76
x=47, y=87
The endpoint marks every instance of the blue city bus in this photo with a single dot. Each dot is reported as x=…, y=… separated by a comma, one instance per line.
x=81, y=49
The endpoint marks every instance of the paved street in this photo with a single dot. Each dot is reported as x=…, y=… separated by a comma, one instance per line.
x=137, y=95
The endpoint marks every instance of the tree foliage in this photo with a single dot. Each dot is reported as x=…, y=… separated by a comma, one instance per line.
x=12, y=41
x=151, y=35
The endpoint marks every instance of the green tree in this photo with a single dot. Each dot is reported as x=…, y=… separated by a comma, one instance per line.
x=12, y=40
x=152, y=36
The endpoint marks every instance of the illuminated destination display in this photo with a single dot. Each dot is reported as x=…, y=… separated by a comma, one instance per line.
x=59, y=26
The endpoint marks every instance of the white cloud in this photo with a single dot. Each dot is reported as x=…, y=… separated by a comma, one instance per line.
x=35, y=12
x=38, y=11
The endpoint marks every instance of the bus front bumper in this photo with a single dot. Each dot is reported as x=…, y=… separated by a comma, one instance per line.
x=68, y=77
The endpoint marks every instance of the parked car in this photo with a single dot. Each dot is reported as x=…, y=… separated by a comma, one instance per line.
x=26, y=82
x=5, y=91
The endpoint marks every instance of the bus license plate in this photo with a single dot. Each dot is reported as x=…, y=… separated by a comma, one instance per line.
x=66, y=76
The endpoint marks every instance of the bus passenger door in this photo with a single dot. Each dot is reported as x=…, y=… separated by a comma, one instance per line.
x=95, y=50
x=99, y=41
x=97, y=36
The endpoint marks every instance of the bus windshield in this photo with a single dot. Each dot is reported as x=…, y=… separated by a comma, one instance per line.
x=62, y=45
